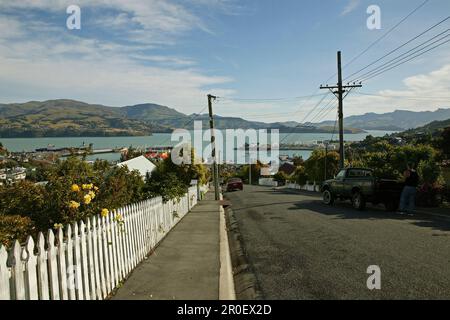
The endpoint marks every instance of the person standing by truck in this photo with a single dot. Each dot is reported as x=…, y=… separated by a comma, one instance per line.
x=408, y=197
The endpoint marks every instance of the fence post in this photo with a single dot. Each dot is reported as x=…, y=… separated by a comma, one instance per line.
x=102, y=256
x=30, y=271
x=52, y=266
x=5, y=293
x=93, y=259
x=69, y=265
x=77, y=263
x=62, y=269
x=42, y=269
x=17, y=272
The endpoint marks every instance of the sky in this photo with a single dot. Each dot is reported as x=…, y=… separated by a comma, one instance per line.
x=262, y=58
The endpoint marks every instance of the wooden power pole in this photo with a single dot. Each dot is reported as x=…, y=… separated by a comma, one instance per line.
x=215, y=171
x=339, y=91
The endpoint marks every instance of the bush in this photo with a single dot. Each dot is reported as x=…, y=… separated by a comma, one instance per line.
x=300, y=176
x=14, y=227
x=165, y=184
x=77, y=190
x=315, y=165
x=281, y=177
x=428, y=171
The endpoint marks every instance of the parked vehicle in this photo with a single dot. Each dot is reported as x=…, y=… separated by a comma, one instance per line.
x=235, y=184
x=360, y=186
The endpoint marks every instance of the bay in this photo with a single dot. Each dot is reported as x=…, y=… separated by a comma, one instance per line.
x=162, y=139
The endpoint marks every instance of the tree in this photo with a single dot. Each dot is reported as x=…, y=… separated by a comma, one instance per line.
x=315, y=165
x=429, y=171
x=298, y=161
x=280, y=177
x=444, y=142
x=300, y=176
x=164, y=184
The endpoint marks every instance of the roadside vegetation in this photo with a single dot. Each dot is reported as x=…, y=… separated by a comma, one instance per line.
x=75, y=190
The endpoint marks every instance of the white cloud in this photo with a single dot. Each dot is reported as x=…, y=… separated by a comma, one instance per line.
x=44, y=60
x=350, y=7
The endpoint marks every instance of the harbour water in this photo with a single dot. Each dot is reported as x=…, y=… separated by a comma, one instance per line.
x=161, y=139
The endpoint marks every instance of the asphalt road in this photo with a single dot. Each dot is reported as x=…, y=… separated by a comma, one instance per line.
x=302, y=249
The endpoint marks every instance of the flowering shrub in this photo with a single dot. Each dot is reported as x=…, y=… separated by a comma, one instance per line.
x=14, y=227
x=77, y=190
x=74, y=192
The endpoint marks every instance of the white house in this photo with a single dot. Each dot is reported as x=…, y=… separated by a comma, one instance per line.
x=15, y=175
x=2, y=176
x=141, y=164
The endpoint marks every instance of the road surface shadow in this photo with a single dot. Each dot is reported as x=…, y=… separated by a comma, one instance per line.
x=237, y=208
x=344, y=210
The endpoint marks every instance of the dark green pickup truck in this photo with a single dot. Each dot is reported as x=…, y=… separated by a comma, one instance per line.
x=360, y=186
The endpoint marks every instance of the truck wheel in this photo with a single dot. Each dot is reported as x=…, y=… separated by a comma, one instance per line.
x=358, y=201
x=328, y=198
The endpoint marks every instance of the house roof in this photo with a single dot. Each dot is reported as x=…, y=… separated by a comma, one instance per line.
x=141, y=164
x=287, y=168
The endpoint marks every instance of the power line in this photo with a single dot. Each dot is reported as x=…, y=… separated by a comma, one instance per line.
x=303, y=121
x=399, y=47
x=404, y=55
x=321, y=112
x=382, y=37
x=405, y=97
x=192, y=119
x=227, y=99
x=399, y=64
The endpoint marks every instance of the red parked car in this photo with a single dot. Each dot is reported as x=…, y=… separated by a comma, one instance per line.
x=235, y=184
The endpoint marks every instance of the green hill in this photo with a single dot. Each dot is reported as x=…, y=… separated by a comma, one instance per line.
x=67, y=118
x=432, y=129
x=397, y=120
x=70, y=118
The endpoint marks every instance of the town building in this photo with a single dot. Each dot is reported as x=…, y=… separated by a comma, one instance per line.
x=141, y=164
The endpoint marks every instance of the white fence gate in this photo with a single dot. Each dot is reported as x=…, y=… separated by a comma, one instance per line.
x=89, y=259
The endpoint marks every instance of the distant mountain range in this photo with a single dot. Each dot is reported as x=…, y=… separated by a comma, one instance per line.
x=69, y=118
x=63, y=118
x=398, y=120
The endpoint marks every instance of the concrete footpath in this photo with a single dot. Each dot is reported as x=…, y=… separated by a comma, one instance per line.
x=186, y=265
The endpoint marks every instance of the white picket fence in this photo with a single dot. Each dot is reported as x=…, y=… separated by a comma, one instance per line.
x=267, y=182
x=307, y=187
x=89, y=259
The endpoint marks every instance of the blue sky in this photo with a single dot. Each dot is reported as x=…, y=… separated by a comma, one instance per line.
x=174, y=52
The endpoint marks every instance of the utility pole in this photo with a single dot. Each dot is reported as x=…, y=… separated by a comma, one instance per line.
x=341, y=89
x=326, y=156
x=213, y=145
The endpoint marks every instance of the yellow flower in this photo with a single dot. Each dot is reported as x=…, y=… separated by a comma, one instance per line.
x=75, y=188
x=95, y=188
x=105, y=212
x=87, y=199
x=87, y=186
x=58, y=226
x=119, y=218
x=92, y=194
x=73, y=205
